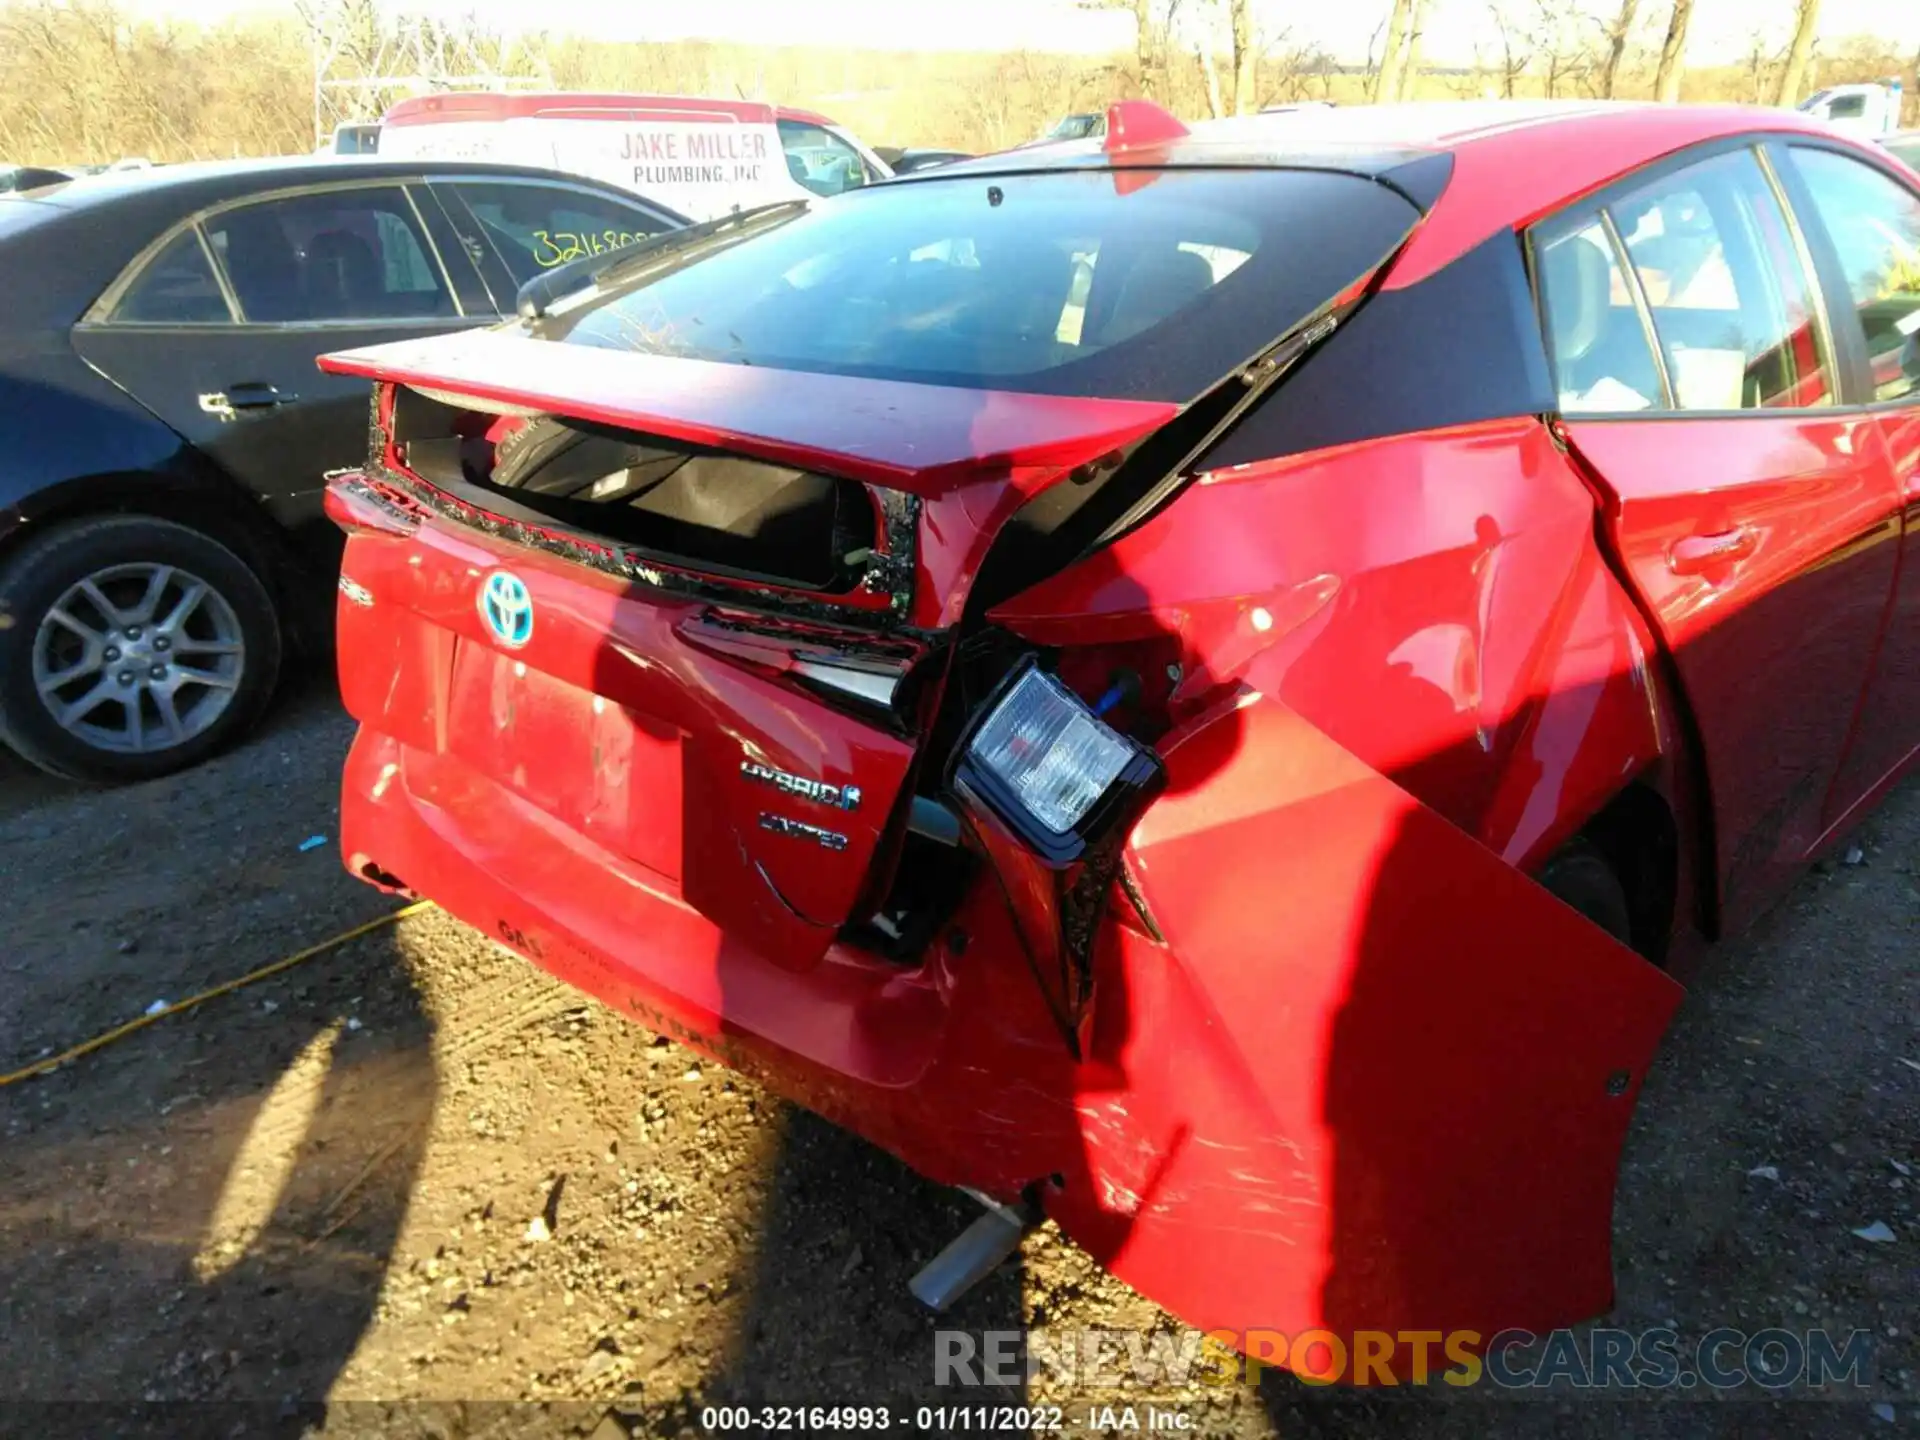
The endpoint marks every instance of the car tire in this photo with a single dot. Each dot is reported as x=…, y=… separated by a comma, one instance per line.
x=1580, y=875
x=131, y=647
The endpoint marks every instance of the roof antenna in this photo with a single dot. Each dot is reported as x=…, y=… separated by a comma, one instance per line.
x=1133, y=123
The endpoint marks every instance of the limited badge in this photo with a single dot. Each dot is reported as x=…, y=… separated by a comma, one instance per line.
x=800, y=830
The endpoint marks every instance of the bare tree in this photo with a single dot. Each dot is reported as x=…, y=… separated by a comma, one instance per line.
x=1203, y=48
x=1373, y=42
x=1143, y=44
x=1759, y=64
x=83, y=81
x=1386, y=80
x=1410, y=64
x=1579, y=43
x=1302, y=72
x=1617, y=34
x=1246, y=57
x=1516, y=48
x=1018, y=95
x=1557, y=40
x=1795, y=73
x=1146, y=53
x=1673, y=54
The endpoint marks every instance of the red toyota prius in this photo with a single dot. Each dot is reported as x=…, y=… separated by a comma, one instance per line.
x=1205, y=684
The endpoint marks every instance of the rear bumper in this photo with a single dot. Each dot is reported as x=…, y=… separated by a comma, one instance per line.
x=947, y=1066
x=1333, y=1098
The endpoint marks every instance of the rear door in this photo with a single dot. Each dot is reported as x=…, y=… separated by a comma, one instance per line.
x=1753, y=512
x=1869, y=221
x=217, y=329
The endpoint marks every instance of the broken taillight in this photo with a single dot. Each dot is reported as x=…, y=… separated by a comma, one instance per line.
x=1049, y=768
x=1049, y=791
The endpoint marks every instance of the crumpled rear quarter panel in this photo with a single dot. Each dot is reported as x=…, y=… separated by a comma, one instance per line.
x=1375, y=1078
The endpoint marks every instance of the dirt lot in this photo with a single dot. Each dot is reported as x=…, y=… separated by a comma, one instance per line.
x=415, y=1170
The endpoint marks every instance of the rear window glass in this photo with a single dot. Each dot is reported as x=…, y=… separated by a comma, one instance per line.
x=1141, y=284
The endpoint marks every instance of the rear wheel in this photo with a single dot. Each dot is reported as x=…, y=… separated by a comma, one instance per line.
x=131, y=647
x=1581, y=876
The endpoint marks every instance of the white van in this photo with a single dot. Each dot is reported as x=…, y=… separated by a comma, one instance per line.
x=704, y=158
x=1868, y=111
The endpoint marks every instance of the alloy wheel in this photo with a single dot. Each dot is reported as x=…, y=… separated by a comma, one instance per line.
x=138, y=658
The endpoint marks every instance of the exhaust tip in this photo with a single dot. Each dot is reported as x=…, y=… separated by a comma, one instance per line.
x=974, y=1254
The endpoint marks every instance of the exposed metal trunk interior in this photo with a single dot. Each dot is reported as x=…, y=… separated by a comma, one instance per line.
x=705, y=509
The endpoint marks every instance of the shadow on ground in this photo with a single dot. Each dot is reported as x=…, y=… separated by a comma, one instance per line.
x=205, y=1209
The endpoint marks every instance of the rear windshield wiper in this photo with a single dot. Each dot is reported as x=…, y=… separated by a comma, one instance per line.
x=537, y=297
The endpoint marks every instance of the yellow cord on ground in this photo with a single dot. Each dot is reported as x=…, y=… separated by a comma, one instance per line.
x=287, y=962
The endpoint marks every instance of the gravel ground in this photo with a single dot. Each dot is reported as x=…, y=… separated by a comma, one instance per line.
x=413, y=1187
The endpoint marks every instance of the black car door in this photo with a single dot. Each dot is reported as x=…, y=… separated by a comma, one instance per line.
x=215, y=329
x=514, y=229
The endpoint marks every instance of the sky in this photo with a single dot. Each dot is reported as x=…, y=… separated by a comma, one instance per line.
x=1721, y=28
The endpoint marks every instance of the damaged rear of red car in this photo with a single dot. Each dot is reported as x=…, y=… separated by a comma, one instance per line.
x=1049, y=666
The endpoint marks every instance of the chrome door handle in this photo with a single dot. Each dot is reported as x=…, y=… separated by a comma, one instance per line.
x=248, y=396
x=1693, y=554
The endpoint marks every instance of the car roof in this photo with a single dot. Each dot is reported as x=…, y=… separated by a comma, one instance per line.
x=208, y=182
x=77, y=236
x=1512, y=161
x=1370, y=137
x=494, y=105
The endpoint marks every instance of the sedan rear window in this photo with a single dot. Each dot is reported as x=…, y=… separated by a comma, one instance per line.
x=1131, y=284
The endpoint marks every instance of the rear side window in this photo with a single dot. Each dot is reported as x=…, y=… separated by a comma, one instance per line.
x=338, y=255
x=1459, y=347
x=177, y=287
x=1875, y=225
x=538, y=227
x=1718, y=283
x=1142, y=284
x=1603, y=356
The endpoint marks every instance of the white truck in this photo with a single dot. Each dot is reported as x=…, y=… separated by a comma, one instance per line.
x=1869, y=111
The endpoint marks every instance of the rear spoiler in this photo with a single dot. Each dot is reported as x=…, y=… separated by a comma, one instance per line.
x=925, y=440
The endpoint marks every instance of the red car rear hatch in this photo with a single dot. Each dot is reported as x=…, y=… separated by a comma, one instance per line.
x=921, y=439
x=740, y=754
